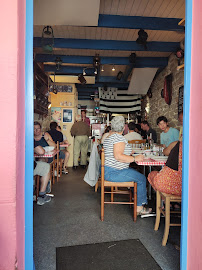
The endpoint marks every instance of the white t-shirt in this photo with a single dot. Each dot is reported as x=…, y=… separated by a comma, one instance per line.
x=108, y=145
x=133, y=136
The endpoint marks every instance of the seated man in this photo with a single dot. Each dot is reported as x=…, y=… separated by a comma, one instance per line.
x=169, y=134
x=146, y=127
x=132, y=135
x=42, y=169
x=57, y=136
x=42, y=139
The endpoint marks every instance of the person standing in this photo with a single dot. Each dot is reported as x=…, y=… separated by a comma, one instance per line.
x=146, y=127
x=81, y=131
x=84, y=118
x=169, y=134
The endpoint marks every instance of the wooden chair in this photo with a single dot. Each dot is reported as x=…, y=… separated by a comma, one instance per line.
x=37, y=178
x=168, y=198
x=136, y=143
x=113, y=191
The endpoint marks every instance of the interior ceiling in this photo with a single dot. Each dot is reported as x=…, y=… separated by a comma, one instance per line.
x=114, y=38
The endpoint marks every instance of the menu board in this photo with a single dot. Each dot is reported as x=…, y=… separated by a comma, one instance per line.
x=180, y=99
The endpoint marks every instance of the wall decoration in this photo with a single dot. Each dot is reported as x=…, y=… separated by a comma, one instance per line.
x=61, y=88
x=180, y=99
x=167, y=93
x=64, y=127
x=67, y=115
x=56, y=114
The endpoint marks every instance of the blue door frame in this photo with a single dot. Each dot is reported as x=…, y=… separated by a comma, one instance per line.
x=29, y=117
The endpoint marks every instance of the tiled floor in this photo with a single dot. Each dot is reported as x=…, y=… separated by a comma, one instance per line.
x=73, y=218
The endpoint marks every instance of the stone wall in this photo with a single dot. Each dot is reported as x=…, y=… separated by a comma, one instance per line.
x=156, y=106
x=44, y=121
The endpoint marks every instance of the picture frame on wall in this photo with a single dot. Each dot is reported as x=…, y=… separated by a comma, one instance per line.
x=67, y=116
x=56, y=114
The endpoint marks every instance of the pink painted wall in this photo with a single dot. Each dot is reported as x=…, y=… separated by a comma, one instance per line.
x=20, y=217
x=194, y=246
x=11, y=136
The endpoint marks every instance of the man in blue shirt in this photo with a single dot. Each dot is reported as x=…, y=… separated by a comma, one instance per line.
x=169, y=134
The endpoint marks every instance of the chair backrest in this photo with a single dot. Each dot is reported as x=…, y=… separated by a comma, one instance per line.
x=102, y=166
x=136, y=143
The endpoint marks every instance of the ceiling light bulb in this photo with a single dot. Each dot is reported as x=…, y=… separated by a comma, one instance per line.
x=113, y=68
x=49, y=106
x=84, y=73
x=95, y=72
x=102, y=69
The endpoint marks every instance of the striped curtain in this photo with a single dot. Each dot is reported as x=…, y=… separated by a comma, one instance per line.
x=117, y=101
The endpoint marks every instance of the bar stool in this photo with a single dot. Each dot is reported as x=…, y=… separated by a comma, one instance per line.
x=168, y=198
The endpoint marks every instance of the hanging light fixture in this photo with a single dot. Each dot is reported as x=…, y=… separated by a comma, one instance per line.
x=49, y=105
x=113, y=68
x=55, y=91
x=58, y=62
x=47, y=40
x=84, y=72
x=102, y=68
x=96, y=60
x=95, y=72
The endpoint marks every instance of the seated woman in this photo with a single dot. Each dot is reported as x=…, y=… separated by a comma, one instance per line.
x=117, y=159
x=106, y=133
x=169, y=179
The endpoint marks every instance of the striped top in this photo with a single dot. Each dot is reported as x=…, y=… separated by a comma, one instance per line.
x=108, y=145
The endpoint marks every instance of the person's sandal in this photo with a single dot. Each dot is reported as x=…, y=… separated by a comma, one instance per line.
x=144, y=211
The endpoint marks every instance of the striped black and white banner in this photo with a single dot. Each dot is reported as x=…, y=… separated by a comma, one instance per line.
x=118, y=101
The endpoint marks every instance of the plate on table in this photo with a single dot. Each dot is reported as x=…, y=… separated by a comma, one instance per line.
x=160, y=158
x=138, y=151
x=48, y=148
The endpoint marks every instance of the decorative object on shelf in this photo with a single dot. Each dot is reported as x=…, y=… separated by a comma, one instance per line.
x=47, y=41
x=167, y=91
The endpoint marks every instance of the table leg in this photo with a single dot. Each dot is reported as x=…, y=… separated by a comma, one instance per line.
x=58, y=166
x=149, y=185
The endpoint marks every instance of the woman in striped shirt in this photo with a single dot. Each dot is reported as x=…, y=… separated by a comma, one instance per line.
x=117, y=159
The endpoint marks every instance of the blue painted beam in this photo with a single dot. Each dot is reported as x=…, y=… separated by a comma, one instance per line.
x=140, y=61
x=114, y=45
x=137, y=22
x=102, y=84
